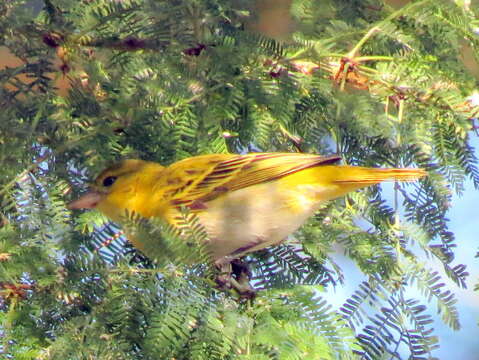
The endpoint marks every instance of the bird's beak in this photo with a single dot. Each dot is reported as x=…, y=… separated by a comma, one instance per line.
x=87, y=201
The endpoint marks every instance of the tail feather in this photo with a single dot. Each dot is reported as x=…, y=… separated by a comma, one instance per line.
x=363, y=175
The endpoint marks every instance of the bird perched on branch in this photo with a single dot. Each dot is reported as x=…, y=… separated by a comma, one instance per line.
x=245, y=202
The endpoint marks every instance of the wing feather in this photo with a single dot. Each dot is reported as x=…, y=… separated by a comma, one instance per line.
x=203, y=178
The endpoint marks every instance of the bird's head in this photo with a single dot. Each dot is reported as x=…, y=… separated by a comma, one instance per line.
x=116, y=187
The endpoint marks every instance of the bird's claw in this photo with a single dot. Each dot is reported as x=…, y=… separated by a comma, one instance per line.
x=234, y=274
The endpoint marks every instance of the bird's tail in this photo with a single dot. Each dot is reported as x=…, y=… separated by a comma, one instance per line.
x=367, y=176
x=335, y=181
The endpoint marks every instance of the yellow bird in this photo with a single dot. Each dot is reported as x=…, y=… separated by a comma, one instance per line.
x=245, y=202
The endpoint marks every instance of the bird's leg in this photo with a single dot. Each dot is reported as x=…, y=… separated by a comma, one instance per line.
x=234, y=274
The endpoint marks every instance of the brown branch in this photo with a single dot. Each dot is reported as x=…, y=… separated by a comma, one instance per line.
x=351, y=72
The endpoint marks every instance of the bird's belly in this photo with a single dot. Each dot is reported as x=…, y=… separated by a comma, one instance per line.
x=255, y=217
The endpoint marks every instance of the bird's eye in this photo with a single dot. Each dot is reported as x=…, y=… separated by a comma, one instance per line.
x=109, y=181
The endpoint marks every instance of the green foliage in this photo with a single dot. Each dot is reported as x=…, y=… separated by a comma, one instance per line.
x=164, y=80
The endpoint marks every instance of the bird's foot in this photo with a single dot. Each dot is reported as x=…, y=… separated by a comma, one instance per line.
x=234, y=274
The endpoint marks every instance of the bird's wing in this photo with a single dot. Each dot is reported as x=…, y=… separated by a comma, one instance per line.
x=193, y=181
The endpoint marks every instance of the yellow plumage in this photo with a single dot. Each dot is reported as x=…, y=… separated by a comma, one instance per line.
x=245, y=202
